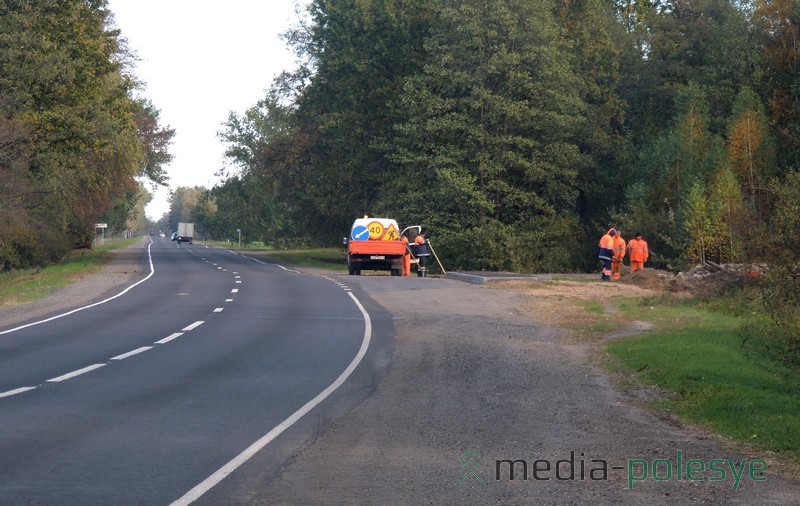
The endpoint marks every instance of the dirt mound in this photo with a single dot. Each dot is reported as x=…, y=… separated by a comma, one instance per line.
x=652, y=279
x=704, y=280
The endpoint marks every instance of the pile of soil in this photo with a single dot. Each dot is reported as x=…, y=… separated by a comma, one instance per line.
x=653, y=279
x=704, y=280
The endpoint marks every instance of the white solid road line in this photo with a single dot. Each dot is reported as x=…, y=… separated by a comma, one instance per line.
x=123, y=292
x=170, y=338
x=254, y=448
x=76, y=373
x=132, y=353
x=265, y=263
x=193, y=326
x=16, y=391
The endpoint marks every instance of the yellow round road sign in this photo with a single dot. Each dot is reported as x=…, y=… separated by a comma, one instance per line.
x=376, y=230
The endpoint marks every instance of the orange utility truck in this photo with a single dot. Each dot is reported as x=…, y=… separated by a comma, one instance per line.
x=374, y=244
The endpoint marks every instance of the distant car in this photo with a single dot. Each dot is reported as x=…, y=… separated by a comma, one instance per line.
x=152, y=232
x=174, y=236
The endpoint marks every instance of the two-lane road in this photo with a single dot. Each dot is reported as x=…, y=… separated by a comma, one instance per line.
x=213, y=366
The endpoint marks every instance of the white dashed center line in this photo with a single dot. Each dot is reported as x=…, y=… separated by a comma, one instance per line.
x=15, y=391
x=123, y=356
x=132, y=353
x=72, y=374
x=170, y=338
x=193, y=326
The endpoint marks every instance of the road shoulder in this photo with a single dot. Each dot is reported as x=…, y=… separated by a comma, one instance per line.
x=483, y=368
x=124, y=267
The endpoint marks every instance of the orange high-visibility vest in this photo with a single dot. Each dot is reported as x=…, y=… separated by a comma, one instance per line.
x=607, y=242
x=619, y=247
x=638, y=250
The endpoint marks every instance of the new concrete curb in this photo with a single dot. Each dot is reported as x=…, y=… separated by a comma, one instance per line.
x=479, y=278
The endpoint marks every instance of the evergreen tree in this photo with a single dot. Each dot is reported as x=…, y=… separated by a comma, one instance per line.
x=490, y=128
x=700, y=224
x=597, y=41
x=749, y=152
x=359, y=53
x=777, y=25
x=726, y=200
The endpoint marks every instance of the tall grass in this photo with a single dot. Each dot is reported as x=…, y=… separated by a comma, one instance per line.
x=697, y=353
x=324, y=258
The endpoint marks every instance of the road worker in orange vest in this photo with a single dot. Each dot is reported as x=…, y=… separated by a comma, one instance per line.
x=406, y=257
x=638, y=252
x=619, y=254
x=606, y=254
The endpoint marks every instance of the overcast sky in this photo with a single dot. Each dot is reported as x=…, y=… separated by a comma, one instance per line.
x=200, y=60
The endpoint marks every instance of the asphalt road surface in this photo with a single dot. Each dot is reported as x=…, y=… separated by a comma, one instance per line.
x=299, y=388
x=211, y=364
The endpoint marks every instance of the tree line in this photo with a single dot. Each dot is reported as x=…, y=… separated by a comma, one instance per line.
x=77, y=142
x=518, y=131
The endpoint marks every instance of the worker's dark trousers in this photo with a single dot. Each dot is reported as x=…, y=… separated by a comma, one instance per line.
x=421, y=267
x=606, y=276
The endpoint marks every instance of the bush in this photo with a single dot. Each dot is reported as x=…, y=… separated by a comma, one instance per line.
x=547, y=245
x=780, y=298
x=23, y=246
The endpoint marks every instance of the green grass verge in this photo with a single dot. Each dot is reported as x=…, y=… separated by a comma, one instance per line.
x=324, y=258
x=591, y=306
x=697, y=353
x=251, y=246
x=26, y=285
x=578, y=279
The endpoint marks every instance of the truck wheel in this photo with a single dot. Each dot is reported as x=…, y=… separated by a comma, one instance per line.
x=358, y=272
x=351, y=270
x=395, y=272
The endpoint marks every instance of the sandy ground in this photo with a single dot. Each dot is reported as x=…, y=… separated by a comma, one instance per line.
x=494, y=369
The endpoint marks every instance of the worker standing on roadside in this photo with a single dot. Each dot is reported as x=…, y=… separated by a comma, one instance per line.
x=638, y=252
x=619, y=254
x=422, y=256
x=606, y=254
x=406, y=257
